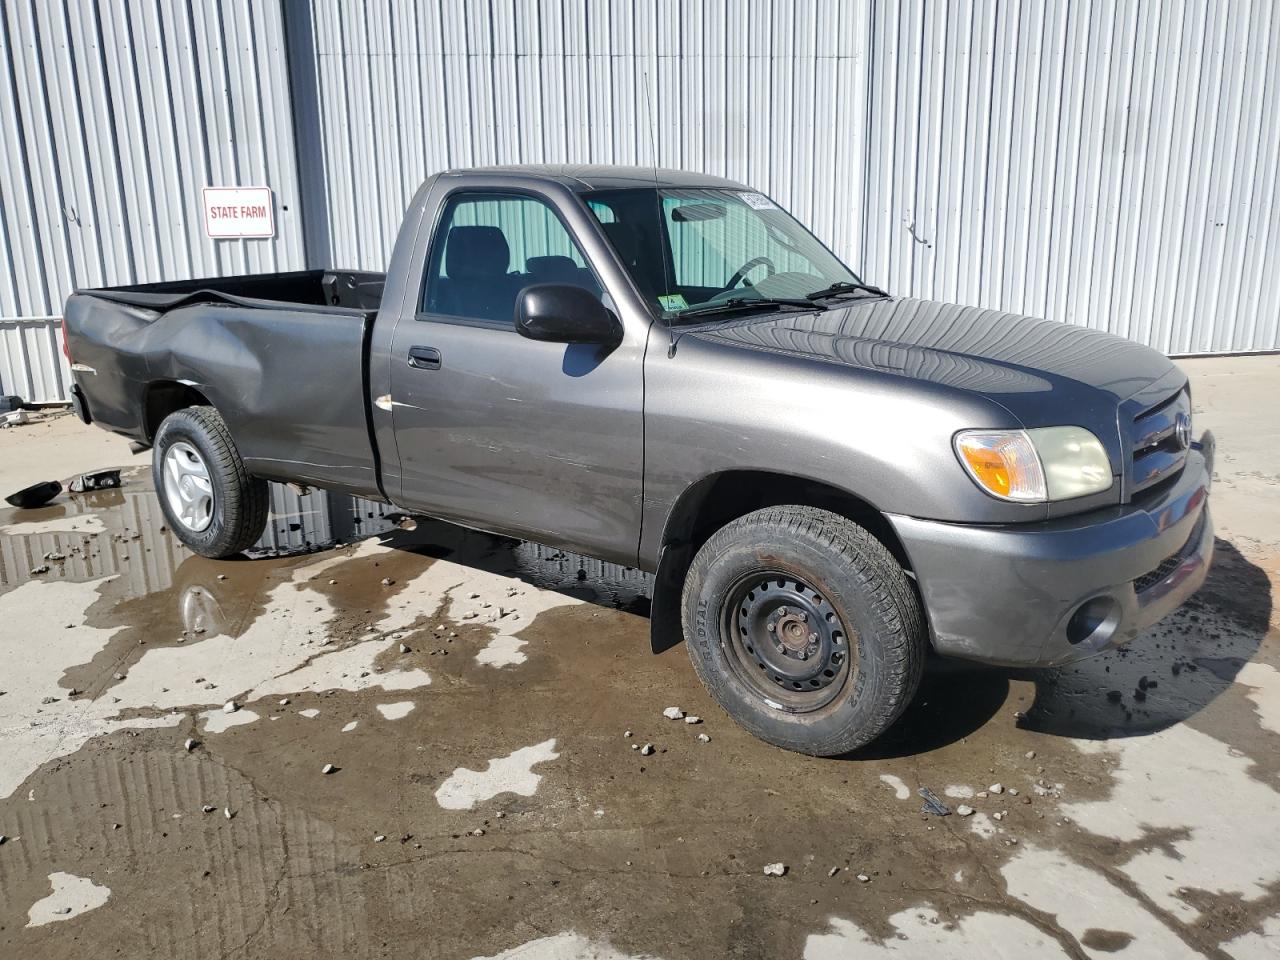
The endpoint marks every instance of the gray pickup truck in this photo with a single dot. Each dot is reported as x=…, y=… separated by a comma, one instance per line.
x=666, y=370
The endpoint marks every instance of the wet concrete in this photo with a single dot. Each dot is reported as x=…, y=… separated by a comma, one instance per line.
x=488, y=803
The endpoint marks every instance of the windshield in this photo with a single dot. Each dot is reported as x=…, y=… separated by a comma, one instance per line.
x=688, y=248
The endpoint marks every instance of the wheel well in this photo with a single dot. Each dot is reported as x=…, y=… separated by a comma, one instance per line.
x=165, y=397
x=714, y=501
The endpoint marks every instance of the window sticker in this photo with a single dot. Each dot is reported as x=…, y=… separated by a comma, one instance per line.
x=672, y=301
x=757, y=201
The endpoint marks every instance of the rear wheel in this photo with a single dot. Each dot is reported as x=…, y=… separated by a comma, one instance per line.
x=804, y=628
x=211, y=502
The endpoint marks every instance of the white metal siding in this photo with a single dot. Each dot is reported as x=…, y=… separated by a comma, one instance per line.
x=1100, y=163
x=113, y=116
x=1113, y=164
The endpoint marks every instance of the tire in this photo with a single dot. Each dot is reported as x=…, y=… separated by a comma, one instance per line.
x=226, y=508
x=757, y=594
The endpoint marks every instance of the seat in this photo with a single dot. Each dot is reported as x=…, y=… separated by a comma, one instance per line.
x=477, y=284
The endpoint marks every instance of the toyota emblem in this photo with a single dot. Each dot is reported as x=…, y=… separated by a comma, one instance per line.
x=1182, y=430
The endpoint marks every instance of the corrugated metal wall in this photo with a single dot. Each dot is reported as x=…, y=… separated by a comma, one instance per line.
x=113, y=116
x=1113, y=164
x=1101, y=163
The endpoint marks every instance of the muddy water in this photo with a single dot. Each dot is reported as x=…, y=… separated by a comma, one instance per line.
x=491, y=684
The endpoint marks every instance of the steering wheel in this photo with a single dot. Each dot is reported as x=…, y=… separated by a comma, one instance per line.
x=741, y=273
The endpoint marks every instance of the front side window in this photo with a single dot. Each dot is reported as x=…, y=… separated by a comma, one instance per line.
x=687, y=247
x=489, y=247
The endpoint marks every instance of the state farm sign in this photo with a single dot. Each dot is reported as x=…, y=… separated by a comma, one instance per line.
x=234, y=213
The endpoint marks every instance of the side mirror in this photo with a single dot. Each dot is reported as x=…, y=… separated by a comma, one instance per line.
x=564, y=313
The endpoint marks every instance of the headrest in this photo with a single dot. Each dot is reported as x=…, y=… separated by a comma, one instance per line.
x=552, y=267
x=476, y=253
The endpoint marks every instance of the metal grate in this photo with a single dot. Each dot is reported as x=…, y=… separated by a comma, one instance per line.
x=1170, y=564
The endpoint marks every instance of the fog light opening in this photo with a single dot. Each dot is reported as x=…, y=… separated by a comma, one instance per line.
x=1094, y=622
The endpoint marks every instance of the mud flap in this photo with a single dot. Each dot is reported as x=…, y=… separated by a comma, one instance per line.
x=665, y=627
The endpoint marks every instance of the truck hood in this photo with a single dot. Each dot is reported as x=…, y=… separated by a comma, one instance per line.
x=1000, y=355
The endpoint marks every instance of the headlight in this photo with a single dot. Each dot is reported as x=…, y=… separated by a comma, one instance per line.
x=1032, y=466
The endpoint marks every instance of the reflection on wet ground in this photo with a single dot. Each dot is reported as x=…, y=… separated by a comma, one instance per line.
x=122, y=533
x=471, y=698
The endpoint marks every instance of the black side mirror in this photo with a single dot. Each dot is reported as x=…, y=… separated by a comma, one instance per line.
x=564, y=313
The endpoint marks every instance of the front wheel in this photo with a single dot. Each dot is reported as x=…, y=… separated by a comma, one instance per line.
x=804, y=629
x=211, y=502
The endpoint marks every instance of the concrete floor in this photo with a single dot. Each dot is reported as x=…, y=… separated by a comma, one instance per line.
x=486, y=800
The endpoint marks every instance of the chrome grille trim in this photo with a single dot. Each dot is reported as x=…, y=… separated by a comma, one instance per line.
x=1155, y=452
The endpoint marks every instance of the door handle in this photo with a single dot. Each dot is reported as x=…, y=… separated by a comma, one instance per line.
x=424, y=358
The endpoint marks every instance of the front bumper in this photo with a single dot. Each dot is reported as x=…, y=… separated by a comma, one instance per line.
x=1043, y=594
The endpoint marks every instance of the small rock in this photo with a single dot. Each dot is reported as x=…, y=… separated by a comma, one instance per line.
x=328, y=768
x=1030, y=754
x=379, y=838
x=48, y=700
x=1013, y=792
x=635, y=746
x=3, y=839
x=626, y=733
x=499, y=814
x=996, y=788
x=863, y=878
x=208, y=808
x=964, y=810
x=190, y=744
x=118, y=676
x=703, y=738
x=284, y=702
x=63, y=910
x=230, y=707
x=775, y=869
x=646, y=750
x=36, y=571
x=833, y=871
x=673, y=713
x=470, y=615
x=226, y=812
x=387, y=582
x=692, y=719
x=998, y=815
x=404, y=648
x=478, y=832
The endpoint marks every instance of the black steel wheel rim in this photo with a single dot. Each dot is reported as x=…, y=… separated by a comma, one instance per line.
x=786, y=641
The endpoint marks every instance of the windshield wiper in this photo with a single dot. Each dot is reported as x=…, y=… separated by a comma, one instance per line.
x=844, y=286
x=741, y=304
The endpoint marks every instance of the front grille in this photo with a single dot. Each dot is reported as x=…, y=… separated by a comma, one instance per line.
x=1156, y=451
x=1170, y=564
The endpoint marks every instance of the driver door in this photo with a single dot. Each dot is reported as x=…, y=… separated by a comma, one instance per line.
x=536, y=440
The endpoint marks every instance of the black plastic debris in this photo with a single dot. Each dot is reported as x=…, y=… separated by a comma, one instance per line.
x=101, y=480
x=36, y=495
x=932, y=804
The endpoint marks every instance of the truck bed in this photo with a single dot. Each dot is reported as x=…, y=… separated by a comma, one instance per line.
x=283, y=357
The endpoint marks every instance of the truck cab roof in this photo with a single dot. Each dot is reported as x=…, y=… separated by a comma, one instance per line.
x=584, y=178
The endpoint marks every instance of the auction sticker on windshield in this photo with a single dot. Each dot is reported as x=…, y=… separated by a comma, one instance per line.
x=757, y=201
